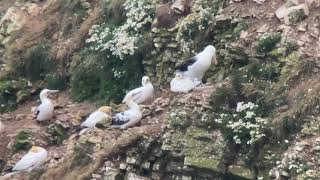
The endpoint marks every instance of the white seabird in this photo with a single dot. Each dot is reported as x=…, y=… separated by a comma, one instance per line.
x=129, y=117
x=141, y=94
x=181, y=84
x=103, y=113
x=196, y=66
x=33, y=159
x=45, y=110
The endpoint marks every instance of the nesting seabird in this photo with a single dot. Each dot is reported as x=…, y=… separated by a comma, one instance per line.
x=196, y=66
x=33, y=159
x=143, y=93
x=129, y=117
x=103, y=113
x=45, y=110
x=181, y=84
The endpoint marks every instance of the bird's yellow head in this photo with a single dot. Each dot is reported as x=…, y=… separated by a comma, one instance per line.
x=105, y=109
x=35, y=149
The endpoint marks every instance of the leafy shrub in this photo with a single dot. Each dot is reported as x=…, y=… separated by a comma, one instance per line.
x=196, y=23
x=226, y=97
x=244, y=124
x=12, y=92
x=97, y=77
x=37, y=63
x=56, y=81
x=22, y=141
x=125, y=39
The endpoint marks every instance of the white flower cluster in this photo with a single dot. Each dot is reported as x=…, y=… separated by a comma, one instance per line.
x=178, y=115
x=201, y=14
x=241, y=106
x=290, y=162
x=244, y=123
x=117, y=74
x=122, y=41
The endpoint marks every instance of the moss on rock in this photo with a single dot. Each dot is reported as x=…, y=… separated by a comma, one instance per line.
x=205, y=163
x=83, y=152
x=297, y=16
x=241, y=172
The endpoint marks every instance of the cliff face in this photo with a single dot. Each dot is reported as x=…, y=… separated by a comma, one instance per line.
x=255, y=118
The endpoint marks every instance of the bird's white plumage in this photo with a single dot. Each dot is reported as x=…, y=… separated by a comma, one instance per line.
x=94, y=118
x=131, y=116
x=1, y=126
x=31, y=160
x=181, y=84
x=46, y=108
x=203, y=62
x=141, y=94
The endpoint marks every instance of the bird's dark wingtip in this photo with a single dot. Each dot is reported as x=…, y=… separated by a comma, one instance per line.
x=7, y=170
x=77, y=128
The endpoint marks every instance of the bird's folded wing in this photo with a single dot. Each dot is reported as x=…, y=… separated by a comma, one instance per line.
x=134, y=91
x=138, y=94
x=184, y=66
x=120, y=119
x=26, y=162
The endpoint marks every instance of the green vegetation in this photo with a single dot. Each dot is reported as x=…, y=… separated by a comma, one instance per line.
x=83, y=154
x=57, y=133
x=56, y=81
x=37, y=63
x=266, y=44
x=297, y=16
x=241, y=26
x=179, y=120
x=12, y=92
x=102, y=78
x=22, y=141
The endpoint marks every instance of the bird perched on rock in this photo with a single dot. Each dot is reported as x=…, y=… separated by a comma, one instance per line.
x=181, y=84
x=196, y=66
x=141, y=94
x=103, y=113
x=33, y=159
x=45, y=110
x=129, y=117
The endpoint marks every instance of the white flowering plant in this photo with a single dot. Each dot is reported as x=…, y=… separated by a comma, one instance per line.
x=178, y=119
x=201, y=16
x=243, y=125
x=125, y=39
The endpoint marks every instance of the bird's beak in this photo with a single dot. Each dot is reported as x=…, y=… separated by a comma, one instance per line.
x=214, y=60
